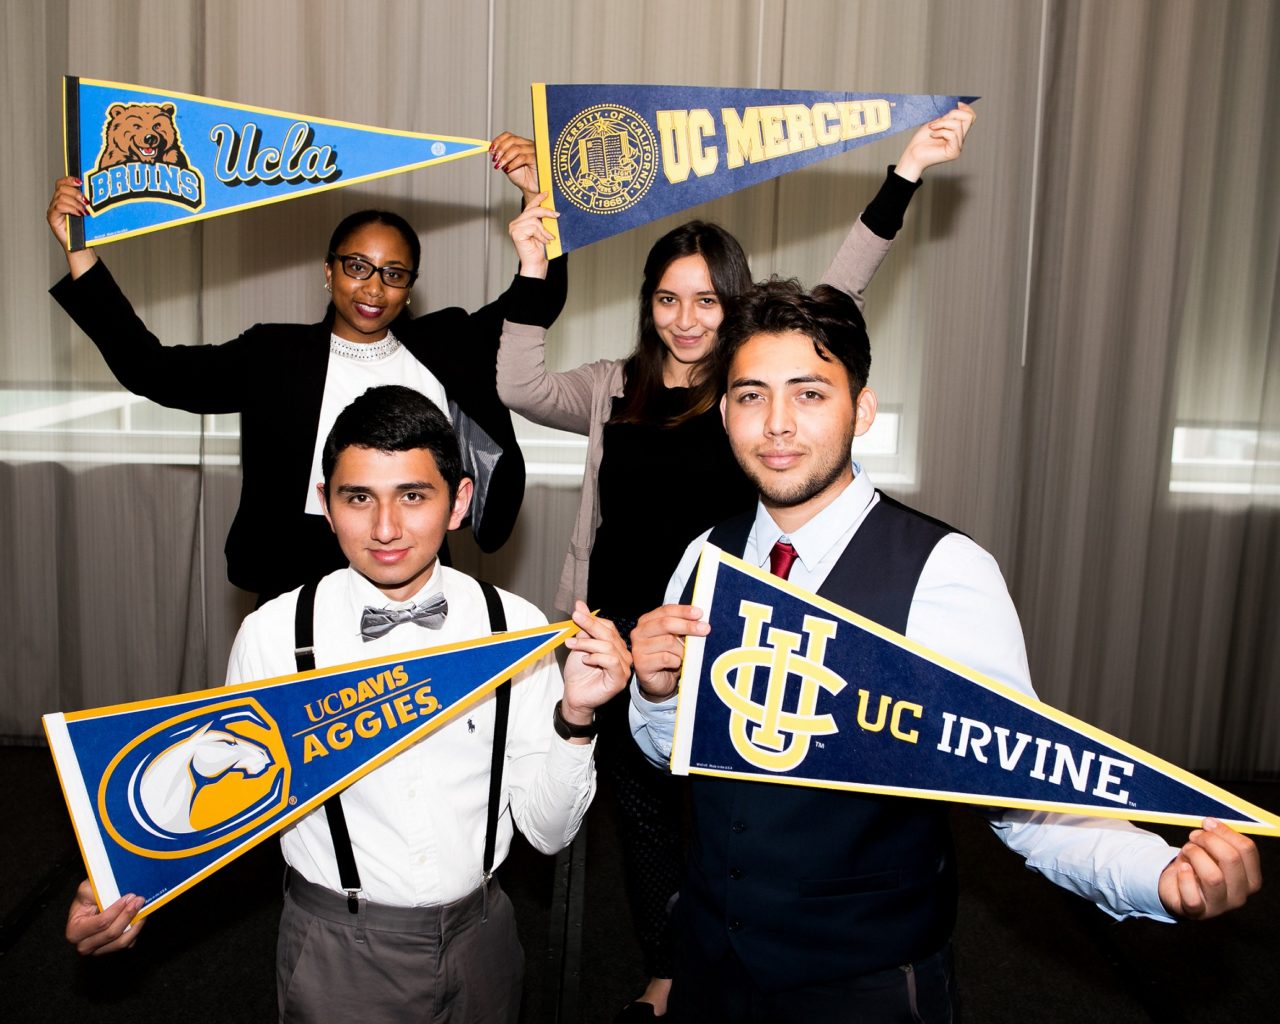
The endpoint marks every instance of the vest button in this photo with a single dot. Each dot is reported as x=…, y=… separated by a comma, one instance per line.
x=735, y=925
x=735, y=873
x=739, y=826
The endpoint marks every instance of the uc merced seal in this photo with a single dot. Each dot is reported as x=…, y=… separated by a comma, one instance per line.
x=605, y=159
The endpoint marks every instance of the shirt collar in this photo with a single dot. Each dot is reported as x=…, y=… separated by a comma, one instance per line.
x=362, y=593
x=820, y=534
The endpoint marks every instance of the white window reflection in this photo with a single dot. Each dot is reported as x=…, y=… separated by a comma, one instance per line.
x=110, y=426
x=1213, y=459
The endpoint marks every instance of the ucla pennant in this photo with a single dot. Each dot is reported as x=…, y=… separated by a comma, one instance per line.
x=614, y=157
x=793, y=689
x=151, y=159
x=164, y=792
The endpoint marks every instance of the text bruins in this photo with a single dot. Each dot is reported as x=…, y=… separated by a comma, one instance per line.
x=385, y=700
x=756, y=134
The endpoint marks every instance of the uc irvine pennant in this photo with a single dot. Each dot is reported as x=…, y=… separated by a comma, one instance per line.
x=162, y=793
x=791, y=688
x=614, y=157
x=152, y=159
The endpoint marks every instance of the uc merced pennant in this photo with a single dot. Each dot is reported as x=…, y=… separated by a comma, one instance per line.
x=791, y=688
x=164, y=792
x=614, y=157
x=152, y=159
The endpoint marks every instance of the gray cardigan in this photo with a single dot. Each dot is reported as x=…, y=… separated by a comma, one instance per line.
x=581, y=400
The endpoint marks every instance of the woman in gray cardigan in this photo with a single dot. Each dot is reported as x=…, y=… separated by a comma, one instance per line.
x=659, y=471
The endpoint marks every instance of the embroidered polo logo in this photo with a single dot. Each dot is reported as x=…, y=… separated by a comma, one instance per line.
x=774, y=732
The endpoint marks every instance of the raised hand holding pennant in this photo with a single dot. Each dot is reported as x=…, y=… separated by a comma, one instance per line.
x=615, y=157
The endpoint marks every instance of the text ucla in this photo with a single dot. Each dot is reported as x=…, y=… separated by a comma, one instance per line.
x=245, y=159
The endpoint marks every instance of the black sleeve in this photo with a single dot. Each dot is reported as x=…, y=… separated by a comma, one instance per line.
x=197, y=378
x=527, y=300
x=884, y=213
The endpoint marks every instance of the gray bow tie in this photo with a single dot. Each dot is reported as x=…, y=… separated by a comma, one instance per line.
x=376, y=622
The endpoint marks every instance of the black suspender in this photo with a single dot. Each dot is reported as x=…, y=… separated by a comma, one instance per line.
x=304, y=655
x=502, y=707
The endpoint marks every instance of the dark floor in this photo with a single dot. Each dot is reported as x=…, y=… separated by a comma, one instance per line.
x=1026, y=951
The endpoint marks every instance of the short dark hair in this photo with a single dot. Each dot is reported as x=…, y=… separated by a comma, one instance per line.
x=826, y=316
x=394, y=418
x=353, y=222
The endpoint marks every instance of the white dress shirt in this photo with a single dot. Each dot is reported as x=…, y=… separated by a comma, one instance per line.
x=417, y=823
x=961, y=608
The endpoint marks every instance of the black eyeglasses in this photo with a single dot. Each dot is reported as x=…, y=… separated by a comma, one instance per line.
x=361, y=269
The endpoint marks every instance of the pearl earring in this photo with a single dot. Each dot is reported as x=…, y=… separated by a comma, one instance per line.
x=326, y=287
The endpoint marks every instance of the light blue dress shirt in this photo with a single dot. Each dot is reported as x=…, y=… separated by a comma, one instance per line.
x=961, y=608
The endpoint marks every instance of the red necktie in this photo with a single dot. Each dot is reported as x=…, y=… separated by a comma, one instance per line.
x=781, y=559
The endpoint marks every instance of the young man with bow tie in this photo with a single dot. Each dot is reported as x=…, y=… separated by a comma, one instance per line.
x=390, y=908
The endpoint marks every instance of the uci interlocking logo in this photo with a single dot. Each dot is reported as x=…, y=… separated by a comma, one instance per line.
x=605, y=159
x=773, y=734
x=196, y=781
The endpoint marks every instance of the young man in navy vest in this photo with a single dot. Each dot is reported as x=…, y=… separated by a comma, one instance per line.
x=412, y=926
x=814, y=905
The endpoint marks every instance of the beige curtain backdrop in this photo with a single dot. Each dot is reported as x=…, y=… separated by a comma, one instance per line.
x=1075, y=336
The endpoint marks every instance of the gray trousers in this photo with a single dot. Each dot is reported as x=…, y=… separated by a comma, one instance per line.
x=460, y=963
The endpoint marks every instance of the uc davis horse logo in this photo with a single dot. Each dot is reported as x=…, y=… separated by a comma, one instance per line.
x=605, y=159
x=196, y=781
x=774, y=734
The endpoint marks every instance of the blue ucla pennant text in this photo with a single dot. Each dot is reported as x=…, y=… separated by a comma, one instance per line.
x=243, y=160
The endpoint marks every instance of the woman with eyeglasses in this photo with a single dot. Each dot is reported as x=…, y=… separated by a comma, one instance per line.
x=288, y=382
x=659, y=472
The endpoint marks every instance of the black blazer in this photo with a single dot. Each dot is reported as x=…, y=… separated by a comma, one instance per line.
x=273, y=375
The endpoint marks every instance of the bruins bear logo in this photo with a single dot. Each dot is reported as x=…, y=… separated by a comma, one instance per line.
x=142, y=158
x=141, y=133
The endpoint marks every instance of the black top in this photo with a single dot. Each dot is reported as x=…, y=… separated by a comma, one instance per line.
x=274, y=374
x=659, y=488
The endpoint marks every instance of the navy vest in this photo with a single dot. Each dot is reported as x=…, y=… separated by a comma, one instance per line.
x=810, y=885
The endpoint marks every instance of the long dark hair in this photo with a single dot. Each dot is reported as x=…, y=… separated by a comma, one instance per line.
x=730, y=277
x=352, y=223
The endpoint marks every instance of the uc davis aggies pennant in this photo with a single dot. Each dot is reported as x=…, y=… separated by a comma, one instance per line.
x=791, y=688
x=162, y=793
x=153, y=159
x=614, y=157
